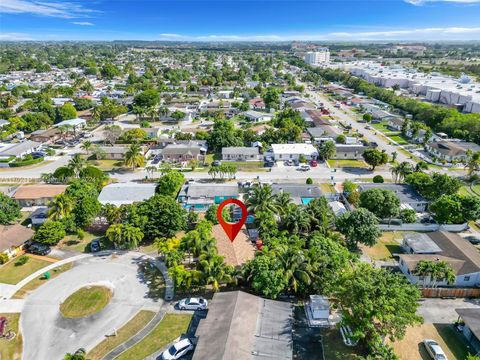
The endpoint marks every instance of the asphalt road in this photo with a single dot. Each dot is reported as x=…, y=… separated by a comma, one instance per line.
x=48, y=335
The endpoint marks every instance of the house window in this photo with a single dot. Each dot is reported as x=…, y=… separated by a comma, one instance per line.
x=421, y=278
x=466, y=278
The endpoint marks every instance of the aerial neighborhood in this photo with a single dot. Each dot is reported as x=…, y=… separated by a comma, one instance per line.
x=358, y=168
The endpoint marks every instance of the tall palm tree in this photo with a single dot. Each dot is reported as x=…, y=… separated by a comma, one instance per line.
x=400, y=171
x=261, y=198
x=472, y=162
x=296, y=219
x=60, y=207
x=421, y=166
x=87, y=146
x=283, y=201
x=297, y=270
x=134, y=156
x=76, y=164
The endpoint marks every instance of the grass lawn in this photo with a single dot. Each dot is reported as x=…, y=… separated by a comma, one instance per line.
x=11, y=350
x=106, y=165
x=170, y=328
x=137, y=323
x=381, y=127
x=467, y=190
x=86, y=301
x=43, y=163
x=72, y=242
x=12, y=274
x=399, y=139
x=327, y=188
x=385, y=247
x=35, y=283
x=411, y=347
x=347, y=164
x=334, y=348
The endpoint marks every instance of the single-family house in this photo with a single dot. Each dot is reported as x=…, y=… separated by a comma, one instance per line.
x=240, y=153
x=395, y=123
x=3, y=122
x=48, y=136
x=471, y=327
x=12, y=238
x=180, y=152
x=243, y=326
x=37, y=195
x=126, y=193
x=406, y=194
x=256, y=116
x=113, y=152
x=301, y=194
x=449, y=151
x=349, y=151
x=451, y=248
x=283, y=152
x=74, y=123
x=200, y=197
x=257, y=104
x=19, y=149
x=153, y=132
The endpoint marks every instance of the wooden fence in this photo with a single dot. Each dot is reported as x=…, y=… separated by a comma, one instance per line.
x=451, y=293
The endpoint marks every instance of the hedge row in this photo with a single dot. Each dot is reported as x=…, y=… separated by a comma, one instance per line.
x=26, y=162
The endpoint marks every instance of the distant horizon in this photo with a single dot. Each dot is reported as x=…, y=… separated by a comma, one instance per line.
x=240, y=20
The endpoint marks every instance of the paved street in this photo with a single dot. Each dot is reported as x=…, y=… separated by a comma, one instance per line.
x=48, y=335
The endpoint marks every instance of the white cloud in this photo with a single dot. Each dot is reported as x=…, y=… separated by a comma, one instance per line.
x=422, y=2
x=67, y=10
x=425, y=34
x=13, y=36
x=83, y=23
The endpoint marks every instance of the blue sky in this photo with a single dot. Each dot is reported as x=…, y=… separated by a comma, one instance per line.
x=244, y=20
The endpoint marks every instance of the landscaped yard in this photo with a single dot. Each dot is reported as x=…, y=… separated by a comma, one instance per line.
x=12, y=274
x=32, y=285
x=385, y=247
x=381, y=127
x=137, y=323
x=347, y=164
x=399, y=139
x=467, y=190
x=334, y=348
x=106, y=165
x=411, y=347
x=11, y=350
x=171, y=327
x=86, y=301
x=73, y=243
x=327, y=188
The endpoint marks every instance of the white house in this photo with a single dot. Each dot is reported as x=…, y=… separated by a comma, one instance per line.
x=75, y=123
x=19, y=149
x=437, y=246
x=282, y=152
x=257, y=116
x=240, y=153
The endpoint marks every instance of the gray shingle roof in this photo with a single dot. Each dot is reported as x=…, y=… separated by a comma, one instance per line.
x=20, y=148
x=240, y=150
x=405, y=193
x=126, y=193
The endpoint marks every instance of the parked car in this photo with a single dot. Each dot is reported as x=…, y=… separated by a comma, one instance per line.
x=434, y=350
x=289, y=163
x=314, y=163
x=39, y=249
x=177, y=350
x=95, y=246
x=216, y=163
x=193, y=304
x=268, y=164
x=304, y=167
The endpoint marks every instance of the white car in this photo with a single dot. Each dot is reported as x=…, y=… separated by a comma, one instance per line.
x=304, y=167
x=434, y=350
x=177, y=350
x=193, y=304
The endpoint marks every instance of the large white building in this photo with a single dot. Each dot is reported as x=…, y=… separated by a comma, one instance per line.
x=463, y=93
x=282, y=152
x=316, y=58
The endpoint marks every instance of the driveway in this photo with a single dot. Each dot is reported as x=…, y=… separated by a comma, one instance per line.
x=442, y=311
x=48, y=335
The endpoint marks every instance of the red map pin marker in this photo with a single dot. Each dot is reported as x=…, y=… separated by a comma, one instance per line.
x=232, y=229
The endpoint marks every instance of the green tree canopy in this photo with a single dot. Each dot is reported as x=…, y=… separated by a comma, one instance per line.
x=359, y=226
x=383, y=203
x=9, y=210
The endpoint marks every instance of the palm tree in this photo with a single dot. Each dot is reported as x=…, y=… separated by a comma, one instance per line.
x=283, y=201
x=124, y=235
x=60, y=207
x=214, y=270
x=296, y=220
x=472, y=163
x=400, y=171
x=134, y=156
x=297, y=269
x=76, y=164
x=436, y=270
x=394, y=156
x=261, y=199
x=327, y=150
x=421, y=166
x=87, y=146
